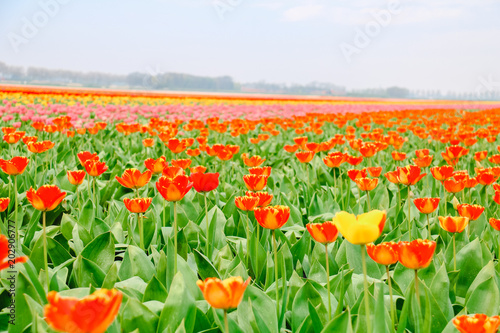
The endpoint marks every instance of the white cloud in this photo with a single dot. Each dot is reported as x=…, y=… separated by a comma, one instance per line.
x=302, y=13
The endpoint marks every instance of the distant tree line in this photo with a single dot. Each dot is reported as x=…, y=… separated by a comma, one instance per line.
x=179, y=81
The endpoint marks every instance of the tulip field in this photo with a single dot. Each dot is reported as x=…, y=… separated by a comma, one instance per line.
x=148, y=212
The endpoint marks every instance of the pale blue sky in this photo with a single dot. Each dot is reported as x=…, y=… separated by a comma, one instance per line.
x=427, y=44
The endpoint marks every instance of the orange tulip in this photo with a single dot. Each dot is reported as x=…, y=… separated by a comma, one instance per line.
x=84, y=156
x=291, y=148
x=453, y=223
x=12, y=138
x=137, y=205
x=368, y=149
x=453, y=186
x=272, y=217
x=421, y=153
x=384, y=253
x=301, y=140
x=226, y=294
x=264, y=171
x=134, y=179
x=95, y=168
x=397, y=156
x=392, y=176
x=495, y=223
x=366, y=184
x=255, y=182
x=148, y=142
x=416, y=254
x=480, y=155
x=46, y=198
x=355, y=174
x=264, y=198
x=472, y=212
x=40, y=147
x=4, y=204
x=442, y=173
x=471, y=182
x=354, y=160
x=426, y=205
x=76, y=177
x=181, y=163
x=409, y=175
x=423, y=162
x=174, y=189
x=156, y=166
x=205, y=182
x=176, y=146
x=335, y=159
x=253, y=161
x=374, y=171
x=477, y=323
x=486, y=178
x=323, y=233
x=14, y=166
x=198, y=169
x=5, y=259
x=304, y=156
x=172, y=172
x=246, y=203
x=91, y=314
x=193, y=152
x=495, y=159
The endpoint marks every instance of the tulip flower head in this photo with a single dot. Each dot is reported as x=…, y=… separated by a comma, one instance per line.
x=383, y=253
x=156, y=166
x=226, y=294
x=453, y=224
x=255, y=182
x=205, y=182
x=472, y=212
x=272, y=217
x=174, y=189
x=246, y=203
x=264, y=198
x=426, y=205
x=76, y=177
x=361, y=229
x=14, y=166
x=134, y=179
x=94, y=313
x=46, y=198
x=137, y=205
x=323, y=233
x=416, y=254
x=409, y=175
x=94, y=167
x=477, y=323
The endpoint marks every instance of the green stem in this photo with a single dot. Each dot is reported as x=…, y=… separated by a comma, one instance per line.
x=207, y=248
x=141, y=231
x=454, y=254
x=409, y=211
x=175, y=237
x=275, y=247
x=335, y=184
x=78, y=198
x=88, y=185
x=368, y=198
x=393, y=316
x=416, y=288
x=399, y=196
x=45, y=259
x=226, y=323
x=428, y=225
x=164, y=218
x=94, y=191
x=328, y=283
x=367, y=304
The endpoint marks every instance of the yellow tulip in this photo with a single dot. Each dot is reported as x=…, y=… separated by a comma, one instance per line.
x=361, y=229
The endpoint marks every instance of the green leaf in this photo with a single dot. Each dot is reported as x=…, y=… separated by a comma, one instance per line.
x=179, y=306
x=137, y=316
x=101, y=251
